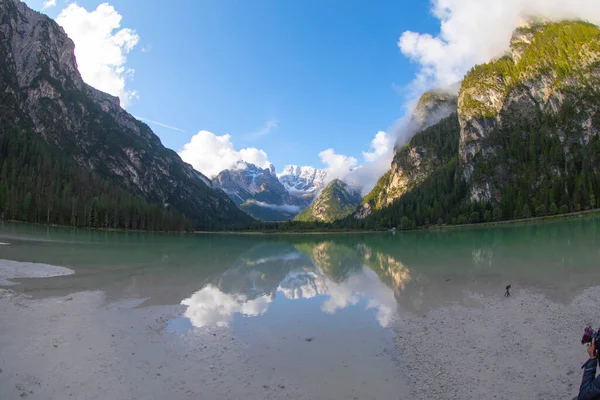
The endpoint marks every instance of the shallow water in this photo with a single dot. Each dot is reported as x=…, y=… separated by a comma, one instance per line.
x=316, y=307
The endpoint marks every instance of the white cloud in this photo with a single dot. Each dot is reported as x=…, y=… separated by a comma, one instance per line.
x=101, y=48
x=267, y=128
x=474, y=31
x=211, y=154
x=381, y=145
x=48, y=4
x=337, y=165
x=364, y=176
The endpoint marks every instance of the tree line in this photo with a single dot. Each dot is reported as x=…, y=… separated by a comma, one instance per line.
x=39, y=184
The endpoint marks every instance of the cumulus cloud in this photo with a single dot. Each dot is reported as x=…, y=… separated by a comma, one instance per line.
x=337, y=165
x=474, y=31
x=364, y=176
x=380, y=146
x=48, y=4
x=101, y=47
x=211, y=154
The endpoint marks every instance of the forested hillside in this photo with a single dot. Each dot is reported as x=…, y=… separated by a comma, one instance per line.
x=38, y=184
x=527, y=143
x=74, y=156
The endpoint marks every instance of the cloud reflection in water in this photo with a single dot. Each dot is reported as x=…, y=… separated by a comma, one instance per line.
x=210, y=306
x=213, y=306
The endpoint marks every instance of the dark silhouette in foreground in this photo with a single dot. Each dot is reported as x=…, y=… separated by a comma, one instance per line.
x=590, y=384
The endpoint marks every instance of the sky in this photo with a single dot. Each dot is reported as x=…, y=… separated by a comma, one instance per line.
x=322, y=83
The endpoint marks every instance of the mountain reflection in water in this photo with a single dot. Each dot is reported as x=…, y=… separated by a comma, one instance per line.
x=336, y=275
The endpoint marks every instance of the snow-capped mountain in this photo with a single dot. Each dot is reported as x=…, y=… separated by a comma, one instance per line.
x=266, y=195
x=302, y=181
x=246, y=181
x=258, y=192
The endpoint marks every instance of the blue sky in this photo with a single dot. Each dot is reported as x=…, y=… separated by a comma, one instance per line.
x=330, y=74
x=306, y=82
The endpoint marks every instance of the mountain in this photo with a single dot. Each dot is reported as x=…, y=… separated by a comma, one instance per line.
x=259, y=192
x=89, y=162
x=336, y=201
x=416, y=160
x=524, y=141
x=303, y=182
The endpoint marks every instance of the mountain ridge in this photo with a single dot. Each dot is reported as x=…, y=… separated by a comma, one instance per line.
x=43, y=92
x=527, y=137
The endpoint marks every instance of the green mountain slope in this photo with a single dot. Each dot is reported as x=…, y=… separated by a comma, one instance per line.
x=414, y=163
x=527, y=141
x=335, y=202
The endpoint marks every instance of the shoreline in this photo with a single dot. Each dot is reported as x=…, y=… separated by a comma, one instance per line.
x=522, y=221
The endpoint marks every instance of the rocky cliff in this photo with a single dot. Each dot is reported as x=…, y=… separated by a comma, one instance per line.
x=43, y=92
x=525, y=140
x=416, y=160
x=552, y=69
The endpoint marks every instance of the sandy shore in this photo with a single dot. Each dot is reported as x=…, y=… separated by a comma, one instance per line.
x=77, y=347
x=85, y=347
x=522, y=347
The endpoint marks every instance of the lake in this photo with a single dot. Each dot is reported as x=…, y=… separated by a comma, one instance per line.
x=310, y=316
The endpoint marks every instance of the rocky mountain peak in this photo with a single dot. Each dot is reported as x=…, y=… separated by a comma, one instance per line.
x=302, y=181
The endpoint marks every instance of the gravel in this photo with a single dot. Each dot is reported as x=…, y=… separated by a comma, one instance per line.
x=522, y=347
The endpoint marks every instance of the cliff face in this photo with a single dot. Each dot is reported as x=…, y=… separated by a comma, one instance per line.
x=525, y=140
x=42, y=91
x=550, y=67
x=414, y=161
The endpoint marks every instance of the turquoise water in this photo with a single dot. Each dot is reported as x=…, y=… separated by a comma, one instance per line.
x=372, y=276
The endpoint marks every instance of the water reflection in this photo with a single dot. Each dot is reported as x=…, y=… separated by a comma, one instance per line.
x=224, y=277
x=211, y=306
x=337, y=276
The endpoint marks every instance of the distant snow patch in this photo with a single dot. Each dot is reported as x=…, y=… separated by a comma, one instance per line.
x=17, y=269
